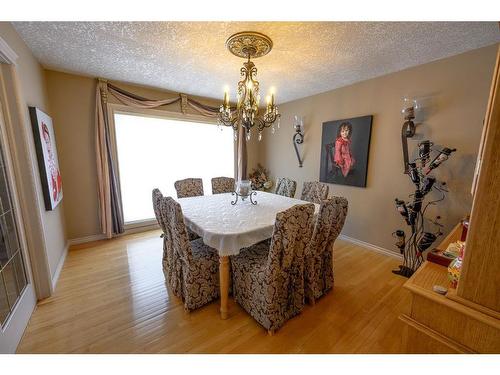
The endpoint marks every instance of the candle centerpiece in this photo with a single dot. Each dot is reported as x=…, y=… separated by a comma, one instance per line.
x=244, y=190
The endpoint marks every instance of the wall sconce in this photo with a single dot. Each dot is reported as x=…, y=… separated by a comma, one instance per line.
x=408, y=129
x=298, y=137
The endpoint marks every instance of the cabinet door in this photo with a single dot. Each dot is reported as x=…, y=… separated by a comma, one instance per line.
x=480, y=278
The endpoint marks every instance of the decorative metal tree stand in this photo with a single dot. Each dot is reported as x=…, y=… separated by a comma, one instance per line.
x=412, y=256
x=243, y=197
x=413, y=211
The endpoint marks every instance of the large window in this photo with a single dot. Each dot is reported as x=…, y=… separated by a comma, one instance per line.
x=155, y=152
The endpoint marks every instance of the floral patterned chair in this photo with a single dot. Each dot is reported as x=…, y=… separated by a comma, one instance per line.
x=222, y=185
x=189, y=187
x=318, y=259
x=157, y=198
x=314, y=192
x=194, y=267
x=268, y=280
x=286, y=187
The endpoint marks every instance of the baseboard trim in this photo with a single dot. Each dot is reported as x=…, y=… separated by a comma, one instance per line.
x=78, y=241
x=99, y=237
x=370, y=246
x=59, y=267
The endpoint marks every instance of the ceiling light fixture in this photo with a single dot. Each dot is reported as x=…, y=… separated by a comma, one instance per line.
x=249, y=45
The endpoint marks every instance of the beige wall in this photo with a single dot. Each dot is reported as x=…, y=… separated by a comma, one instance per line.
x=34, y=93
x=454, y=92
x=72, y=103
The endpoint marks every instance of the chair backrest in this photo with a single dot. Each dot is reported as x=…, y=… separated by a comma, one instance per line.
x=222, y=185
x=285, y=263
x=189, y=187
x=329, y=224
x=314, y=192
x=177, y=235
x=292, y=232
x=286, y=187
x=157, y=196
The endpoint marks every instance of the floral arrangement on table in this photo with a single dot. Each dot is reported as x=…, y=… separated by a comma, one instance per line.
x=260, y=178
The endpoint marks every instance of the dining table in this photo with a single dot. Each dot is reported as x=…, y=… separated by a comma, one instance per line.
x=229, y=228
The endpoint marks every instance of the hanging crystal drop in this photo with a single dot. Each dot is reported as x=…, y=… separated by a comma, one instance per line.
x=278, y=122
x=249, y=135
x=272, y=129
x=235, y=135
x=260, y=136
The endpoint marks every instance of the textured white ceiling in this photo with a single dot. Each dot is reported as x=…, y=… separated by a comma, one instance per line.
x=307, y=57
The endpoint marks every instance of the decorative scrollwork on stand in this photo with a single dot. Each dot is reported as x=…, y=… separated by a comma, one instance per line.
x=243, y=197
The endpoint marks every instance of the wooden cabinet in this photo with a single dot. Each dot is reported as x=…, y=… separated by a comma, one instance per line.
x=465, y=320
x=438, y=323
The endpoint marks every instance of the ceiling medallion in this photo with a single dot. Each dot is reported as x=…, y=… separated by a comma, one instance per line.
x=248, y=44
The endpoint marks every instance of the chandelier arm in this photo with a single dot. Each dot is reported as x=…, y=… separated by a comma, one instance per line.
x=260, y=124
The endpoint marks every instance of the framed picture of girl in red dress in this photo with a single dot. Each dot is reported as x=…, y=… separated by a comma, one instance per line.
x=344, y=151
x=46, y=152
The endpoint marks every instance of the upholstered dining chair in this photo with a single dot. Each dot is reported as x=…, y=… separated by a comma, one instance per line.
x=194, y=268
x=189, y=187
x=286, y=187
x=268, y=280
x=314, y=192
x=157, y=198
x=318, y=257
x=222, y=185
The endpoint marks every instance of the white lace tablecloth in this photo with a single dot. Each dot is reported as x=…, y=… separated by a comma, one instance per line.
x=229, y=228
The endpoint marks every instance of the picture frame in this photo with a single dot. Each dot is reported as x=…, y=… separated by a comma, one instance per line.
x=46, y=152
x=345, y=146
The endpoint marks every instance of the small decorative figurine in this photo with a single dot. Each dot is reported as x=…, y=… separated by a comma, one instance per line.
x=455, y=267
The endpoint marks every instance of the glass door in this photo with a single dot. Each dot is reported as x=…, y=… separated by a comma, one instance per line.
x=12, y=269
x=17, y=295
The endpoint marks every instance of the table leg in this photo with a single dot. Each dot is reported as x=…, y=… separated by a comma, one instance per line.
x=224, y=285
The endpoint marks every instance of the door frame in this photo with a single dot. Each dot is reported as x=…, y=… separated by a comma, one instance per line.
x=13, y=135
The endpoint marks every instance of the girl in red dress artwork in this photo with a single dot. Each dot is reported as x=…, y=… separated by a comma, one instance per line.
x=55, y=176
x=343, y=156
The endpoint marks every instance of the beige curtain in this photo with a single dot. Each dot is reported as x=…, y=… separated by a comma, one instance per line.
x=111, y=210
x=135, y=101
x=110, y=203
x=241, y=155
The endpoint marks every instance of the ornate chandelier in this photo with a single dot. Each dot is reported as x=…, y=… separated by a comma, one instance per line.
x=249, y=45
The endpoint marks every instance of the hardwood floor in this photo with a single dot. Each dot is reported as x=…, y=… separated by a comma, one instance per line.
x=112, y=298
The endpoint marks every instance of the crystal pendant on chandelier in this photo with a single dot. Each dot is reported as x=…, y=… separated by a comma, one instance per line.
x=247, y=113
